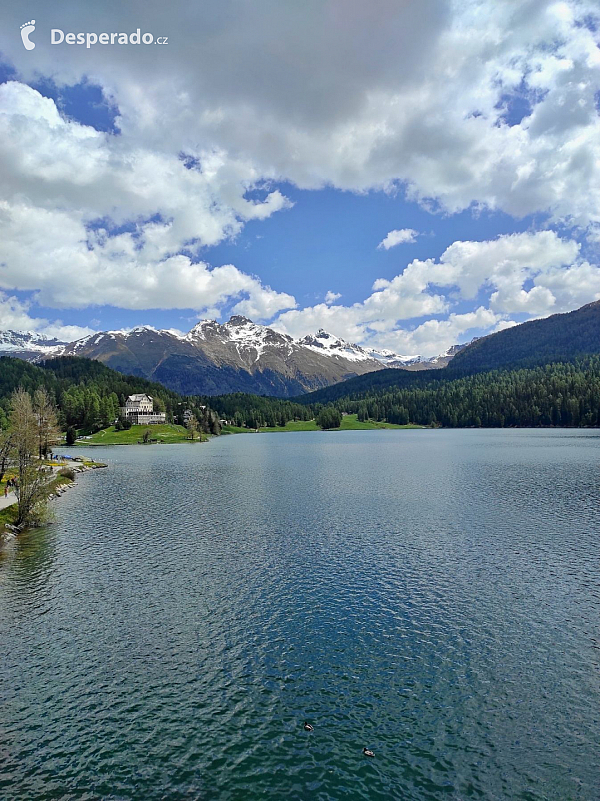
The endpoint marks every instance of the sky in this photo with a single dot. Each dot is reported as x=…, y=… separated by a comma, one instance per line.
x=406, y=175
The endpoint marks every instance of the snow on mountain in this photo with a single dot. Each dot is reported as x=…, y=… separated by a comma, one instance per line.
x=249, y=339
x=240, y=331
x=390, y=359
x=329, y=345
x=213, y=358
x=17, y=342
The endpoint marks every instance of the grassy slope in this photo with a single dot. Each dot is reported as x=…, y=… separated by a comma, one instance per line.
x=349, y=423
x=167, y=433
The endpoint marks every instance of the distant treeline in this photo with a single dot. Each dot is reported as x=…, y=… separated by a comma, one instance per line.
x=254, y=411
x=561, y=394
x=88, y=396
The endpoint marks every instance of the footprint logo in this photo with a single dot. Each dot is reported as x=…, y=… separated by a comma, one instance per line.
x=26, y=29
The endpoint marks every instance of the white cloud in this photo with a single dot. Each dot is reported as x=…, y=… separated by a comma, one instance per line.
x=51, y=252
x=533, y=273
x=416, y=94
x=62, y=177
x=433, y=337
x=331, y=297
x=15, y=316
x=413, y=96
x=398, y=237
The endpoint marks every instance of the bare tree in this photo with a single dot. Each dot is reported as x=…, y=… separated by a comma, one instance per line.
x=47, y=423
x=31, y=480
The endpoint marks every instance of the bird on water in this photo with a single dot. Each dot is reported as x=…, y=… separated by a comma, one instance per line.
x=308, y=727
x=368, y=753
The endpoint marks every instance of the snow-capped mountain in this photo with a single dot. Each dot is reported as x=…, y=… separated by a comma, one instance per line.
x=28, y=344
x=215, y=358
x=329, y=345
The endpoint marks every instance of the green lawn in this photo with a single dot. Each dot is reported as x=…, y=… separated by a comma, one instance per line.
x=166, y=433
x=350, y=422
x=236, y=430
x=294, y=425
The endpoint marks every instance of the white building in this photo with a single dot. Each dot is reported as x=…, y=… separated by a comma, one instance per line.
x=139, y=409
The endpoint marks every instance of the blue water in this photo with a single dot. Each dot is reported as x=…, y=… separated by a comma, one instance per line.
x=432, y=595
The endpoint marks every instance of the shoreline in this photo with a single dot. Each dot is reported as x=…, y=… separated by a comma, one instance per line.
x=306, y=427
x=57, y=486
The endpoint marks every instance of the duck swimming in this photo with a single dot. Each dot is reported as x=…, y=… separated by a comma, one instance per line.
x=308, y=727
x=368, y=753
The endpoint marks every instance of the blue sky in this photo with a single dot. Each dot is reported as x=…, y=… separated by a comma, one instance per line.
x=252, y=168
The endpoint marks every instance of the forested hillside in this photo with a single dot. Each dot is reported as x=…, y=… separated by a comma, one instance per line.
x=561, y=394
x=87, y=393
x=559, y=338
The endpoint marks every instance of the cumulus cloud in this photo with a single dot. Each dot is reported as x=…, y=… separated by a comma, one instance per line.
x=398, y=237
x=362, y=96
x=331, y=297
x=433, y=337
x=86, y=219
x=532, y=273
x=15, y=316
x=418, y=97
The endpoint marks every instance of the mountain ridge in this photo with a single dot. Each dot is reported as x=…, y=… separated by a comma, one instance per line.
x=216, y=358
x=562, y=337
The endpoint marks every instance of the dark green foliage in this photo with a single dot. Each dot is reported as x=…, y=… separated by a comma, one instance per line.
x=559, y=338
x=87, y=393
x=71, y=435
x=197, y=375
x=255, y=411
x=561, y=394
x=373, y=382
x=329, y=417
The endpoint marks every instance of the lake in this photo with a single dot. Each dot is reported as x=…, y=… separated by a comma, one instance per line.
x=431, y=595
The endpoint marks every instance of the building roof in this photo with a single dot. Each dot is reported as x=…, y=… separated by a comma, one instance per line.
x=139, y=397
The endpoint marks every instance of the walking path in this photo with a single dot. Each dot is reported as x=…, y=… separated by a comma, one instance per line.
x=9, y=500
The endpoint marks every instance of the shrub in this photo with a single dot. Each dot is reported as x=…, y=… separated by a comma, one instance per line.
x=67, y=472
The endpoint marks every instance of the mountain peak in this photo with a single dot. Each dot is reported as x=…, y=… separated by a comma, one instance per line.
x=239, y=319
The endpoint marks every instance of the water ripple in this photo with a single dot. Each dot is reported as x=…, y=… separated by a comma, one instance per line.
x=431, y=595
